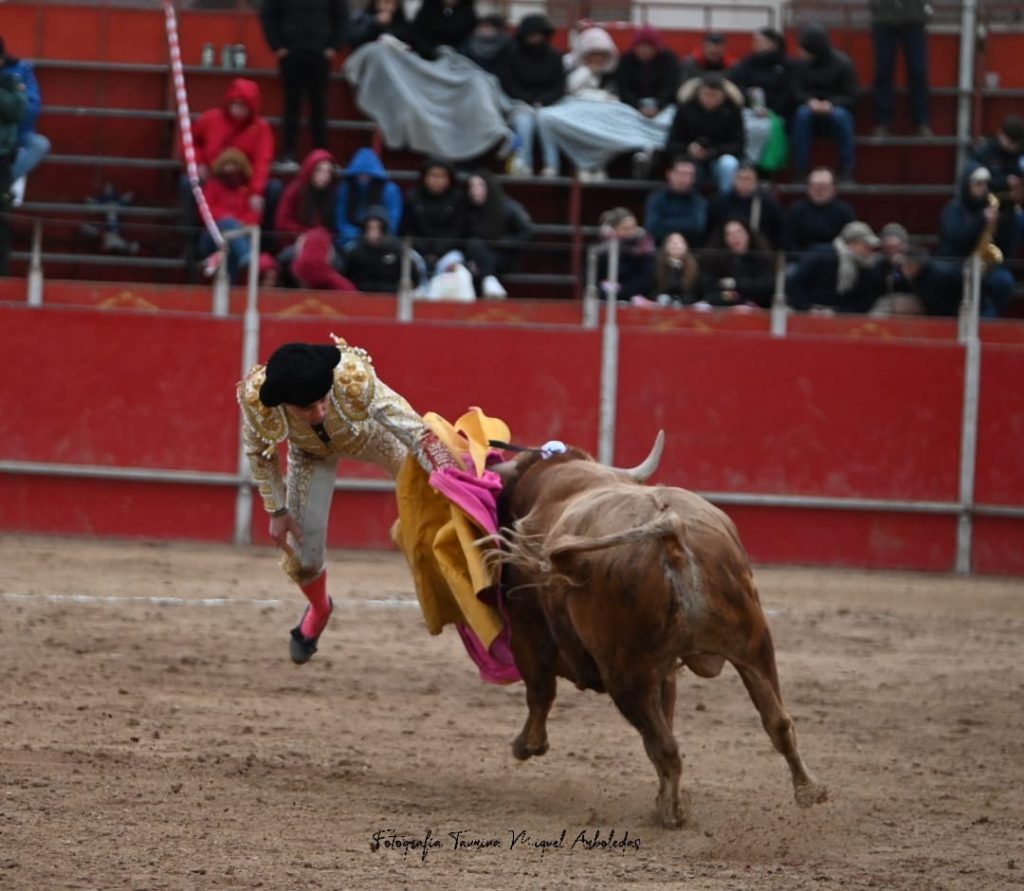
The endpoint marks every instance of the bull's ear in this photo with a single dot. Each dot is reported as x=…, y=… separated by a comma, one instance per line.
x=646, y=468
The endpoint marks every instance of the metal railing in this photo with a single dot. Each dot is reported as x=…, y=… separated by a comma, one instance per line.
x=599, y=307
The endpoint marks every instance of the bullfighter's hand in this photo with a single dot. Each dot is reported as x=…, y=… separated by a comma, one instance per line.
x=279, y=529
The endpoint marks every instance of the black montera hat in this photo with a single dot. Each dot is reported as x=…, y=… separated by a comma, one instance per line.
x=299, y=374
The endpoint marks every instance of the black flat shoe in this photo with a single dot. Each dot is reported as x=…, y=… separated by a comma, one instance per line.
x=300, y=647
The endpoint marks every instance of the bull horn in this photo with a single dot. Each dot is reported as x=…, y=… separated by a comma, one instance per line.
x=646, y=468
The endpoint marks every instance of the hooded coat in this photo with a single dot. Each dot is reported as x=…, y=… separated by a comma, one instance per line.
x=216, y=131
x=533, y=74
x=827, y=74
x=365, y=183
x=436, y=222
x=719, y=129
x=962, y=224
x=771, y=71
x=302, y=207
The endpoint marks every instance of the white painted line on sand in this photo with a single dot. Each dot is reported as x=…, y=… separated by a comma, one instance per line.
x=390, y=602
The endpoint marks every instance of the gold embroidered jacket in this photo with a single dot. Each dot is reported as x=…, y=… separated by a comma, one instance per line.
x=366, y=420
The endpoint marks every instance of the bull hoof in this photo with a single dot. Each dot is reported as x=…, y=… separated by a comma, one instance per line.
x=522, y=751
x=810, y=794
x=672, y=812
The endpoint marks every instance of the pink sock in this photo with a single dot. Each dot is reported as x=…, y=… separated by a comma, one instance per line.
x=319, y=606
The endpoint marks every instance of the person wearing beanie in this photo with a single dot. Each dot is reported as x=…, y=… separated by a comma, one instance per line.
x=711, y=55
x=32, y=147
x=648, y=74
x=826, y=92
x=326, y=402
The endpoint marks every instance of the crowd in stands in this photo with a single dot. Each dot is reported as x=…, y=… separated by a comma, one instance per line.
x=717, y=126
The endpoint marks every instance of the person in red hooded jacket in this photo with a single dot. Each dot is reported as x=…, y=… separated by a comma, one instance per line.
x=236, y=123
x=308, y=202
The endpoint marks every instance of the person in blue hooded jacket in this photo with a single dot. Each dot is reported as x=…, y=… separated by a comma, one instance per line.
x=32, y=146
x=365, y=184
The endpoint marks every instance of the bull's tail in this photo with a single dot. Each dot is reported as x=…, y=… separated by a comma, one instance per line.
x=666, y=524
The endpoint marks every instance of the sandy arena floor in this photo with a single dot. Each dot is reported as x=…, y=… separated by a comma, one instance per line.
x=153, y=734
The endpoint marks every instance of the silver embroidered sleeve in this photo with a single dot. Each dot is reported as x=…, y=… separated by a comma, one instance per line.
x=266, y=468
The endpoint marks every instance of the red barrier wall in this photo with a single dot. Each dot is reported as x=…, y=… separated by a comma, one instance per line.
x=851, y=416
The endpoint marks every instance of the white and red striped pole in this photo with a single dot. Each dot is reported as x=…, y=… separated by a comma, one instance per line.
x=185, y=125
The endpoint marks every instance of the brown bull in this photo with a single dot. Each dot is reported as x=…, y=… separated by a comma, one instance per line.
x=615, y=585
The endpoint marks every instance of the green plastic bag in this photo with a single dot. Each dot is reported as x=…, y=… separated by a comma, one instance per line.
x=776, y=150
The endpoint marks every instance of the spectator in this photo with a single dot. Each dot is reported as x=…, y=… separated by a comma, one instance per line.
x=435, y=212
x=380, y=17
x=738, y=267
x=748, y=201
x=676, y=273
x=678, y=206
x=648, y=75
x=842, y=276
x=309, y=199
x=826, y=91
x=228, y=191
x=305, y=37
x=636, y=254
x=767, y=81
x=314, y=265
x=900, y=24
x=590, y=77
x=711, y=55
x=708, y=128
x=1003, y=156
x=488, y=43
x=938, y=290
x=308, y=202
x=532, y=75
x=13, y=108
x=492, y=216
x=32, y=146
x=969, y=225
x=647, y=79
x=374, y=260
x=444, y=23
x=818, y=218
x=238, y=124
x=365, y=183
x=894, y=242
